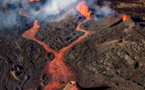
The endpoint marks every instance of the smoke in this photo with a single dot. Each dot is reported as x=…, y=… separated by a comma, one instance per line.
x=57, y=5
x=9, y=10
x=48, y=8
x=8, y=19
x=44, y=9
x=8, y=13
x=105, y=10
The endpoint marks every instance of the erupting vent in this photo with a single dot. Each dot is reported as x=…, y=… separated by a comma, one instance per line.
x=57, y=70
x=59, y=75
x=124, y=17
x=33, y=0
x=83, y=9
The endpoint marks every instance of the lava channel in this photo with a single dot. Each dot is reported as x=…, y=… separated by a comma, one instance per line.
x=56, y=69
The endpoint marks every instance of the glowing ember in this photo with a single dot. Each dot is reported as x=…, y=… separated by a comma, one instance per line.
x=58, y=72
x=83, y=9
x=124, y=17
x=33, y=0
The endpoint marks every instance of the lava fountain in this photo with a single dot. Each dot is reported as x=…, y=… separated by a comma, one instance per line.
x=33, y=0
x=82, y=8
x=124, y=17
x=58, y=72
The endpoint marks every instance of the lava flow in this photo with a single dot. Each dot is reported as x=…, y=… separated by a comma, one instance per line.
x=124, y=17
x=33, y=0
x=58, y=72
x=24, y=14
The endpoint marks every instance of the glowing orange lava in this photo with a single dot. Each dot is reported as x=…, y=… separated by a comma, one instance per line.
x=33, y=0
x=83, y=9
x=58, y=72
x=24, y=14
x=124, y=17
x=57, y=69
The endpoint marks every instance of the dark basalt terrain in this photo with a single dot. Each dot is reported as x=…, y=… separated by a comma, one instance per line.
x=113, y=51
x=134, y=8
x=112, y=58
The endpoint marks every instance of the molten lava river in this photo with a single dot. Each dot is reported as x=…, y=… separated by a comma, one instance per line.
x=57, y=70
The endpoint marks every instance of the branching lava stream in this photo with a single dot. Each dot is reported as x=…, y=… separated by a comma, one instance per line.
x=58, y=72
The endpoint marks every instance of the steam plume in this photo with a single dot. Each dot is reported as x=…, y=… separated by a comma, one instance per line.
x=42, y=9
